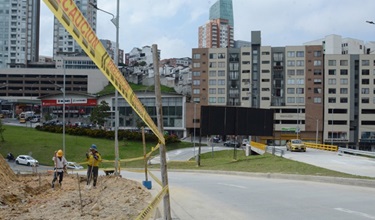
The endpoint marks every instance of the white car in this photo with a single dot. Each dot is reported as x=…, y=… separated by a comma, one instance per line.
x=74, y=165
x=26, y=160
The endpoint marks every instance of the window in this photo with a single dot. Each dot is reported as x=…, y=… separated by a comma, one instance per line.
x=300, y=72
x=290, y=81
x=365, y=63
x=331, y=81
x=212, y=100
x=221, y=73
x=212, y=73
x=344, y=91
x=300, y=54
x=300, y=90
x=300, y=63
x=317, y=100
x=221, y=91
x=265, y=53
x=331, y=100
x=196, y=56
x=196, y=73
x=213, y=56
x=291, y=72
x=365, y=72
x=221, y=56
x=212, y=64
x=265, y=62
x=317, y=62
x=212, y=91
x=300, y=99
x=365, y=100
x=291, y=63
x=196, y=91
x=196, y=82
x=221, y=82
x=343, y=62
x=317, y=90
x=300, y=81
x=331, y=91
x=317, y=81
x=317, y=72
x=291, y=54
x=317, y=53
x=331, y=62
x=290, y=90
x=220, y=100
x=365, y=81
x=365, y=91
x=331, y=72
x=196, y=99
x=212, y=82
x=221, y=65
x=245, y=62
x=344, y=81
x=246, y=53
x=291, y=100
x=343, y=100
x=196, y=65
x=343, y=72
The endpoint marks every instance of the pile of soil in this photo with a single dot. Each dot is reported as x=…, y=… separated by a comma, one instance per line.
x=31, y=197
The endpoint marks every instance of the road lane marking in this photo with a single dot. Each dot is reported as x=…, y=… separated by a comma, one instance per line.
x=356, y=213
x=225, y=184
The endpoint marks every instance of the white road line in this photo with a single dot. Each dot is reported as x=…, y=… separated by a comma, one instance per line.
x=355, y=213
x=225, y=184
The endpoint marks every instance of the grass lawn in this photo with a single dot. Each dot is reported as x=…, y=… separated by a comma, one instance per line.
x=22, y=140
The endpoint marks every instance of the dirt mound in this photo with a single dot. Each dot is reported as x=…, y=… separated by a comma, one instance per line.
x=7, y=175
x=31, y=197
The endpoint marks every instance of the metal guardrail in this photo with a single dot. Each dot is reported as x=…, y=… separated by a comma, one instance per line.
x=275, y=150
x=356, y=152
x=327, y=147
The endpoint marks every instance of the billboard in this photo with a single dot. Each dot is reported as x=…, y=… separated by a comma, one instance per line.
x=228, y=120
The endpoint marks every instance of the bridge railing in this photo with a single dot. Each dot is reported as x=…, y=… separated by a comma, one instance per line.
x=357, y=152
x=327, y=147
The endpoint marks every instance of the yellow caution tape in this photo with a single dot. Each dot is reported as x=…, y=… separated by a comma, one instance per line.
x=146, y=213
x=76, y=24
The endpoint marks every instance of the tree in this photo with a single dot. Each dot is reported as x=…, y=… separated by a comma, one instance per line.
x=1, y=131
x=100, y=113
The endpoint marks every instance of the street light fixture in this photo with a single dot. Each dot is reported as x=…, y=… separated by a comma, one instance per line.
x=115, y=21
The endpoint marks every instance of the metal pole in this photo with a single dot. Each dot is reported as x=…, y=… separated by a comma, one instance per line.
x=317, y=127
x=162, y=149
x=195, y=106
x=63, y=111
x=116, y=93
x=332, y=126
x=297, y=107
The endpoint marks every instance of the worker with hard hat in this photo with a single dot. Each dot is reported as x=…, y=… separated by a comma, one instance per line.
x=60, y=166
x=93, y=160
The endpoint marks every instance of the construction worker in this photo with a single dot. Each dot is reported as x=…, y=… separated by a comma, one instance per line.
x=93, y=157
x=60, y=167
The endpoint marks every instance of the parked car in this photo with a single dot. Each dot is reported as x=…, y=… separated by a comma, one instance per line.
x=74, y=165
x=26, y=160
x=295, y=145
x=35, y=118
x=231, y=144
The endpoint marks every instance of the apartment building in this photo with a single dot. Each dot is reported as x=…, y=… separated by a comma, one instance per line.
x=19, y=33
x=350, y=88
x=287, y=79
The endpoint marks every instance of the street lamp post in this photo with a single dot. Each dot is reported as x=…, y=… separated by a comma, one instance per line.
x=195, y=113
x=332, y=111
x=63, y=111
x=115, y=21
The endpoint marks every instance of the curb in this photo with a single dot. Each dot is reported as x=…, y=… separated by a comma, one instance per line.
x=322, y=179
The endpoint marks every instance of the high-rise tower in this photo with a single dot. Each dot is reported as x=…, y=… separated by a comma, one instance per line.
x=63, y=42
x=218, y=31
x=19, y=32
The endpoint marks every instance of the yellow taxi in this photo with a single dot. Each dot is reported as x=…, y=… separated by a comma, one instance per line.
x=295, y=145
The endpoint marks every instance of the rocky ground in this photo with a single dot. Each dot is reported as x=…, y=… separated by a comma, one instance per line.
x=31, y=197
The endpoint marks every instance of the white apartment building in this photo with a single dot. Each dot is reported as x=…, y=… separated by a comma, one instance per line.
x=19, y=33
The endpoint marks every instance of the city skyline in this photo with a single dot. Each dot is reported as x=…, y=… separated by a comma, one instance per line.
x=173, y=25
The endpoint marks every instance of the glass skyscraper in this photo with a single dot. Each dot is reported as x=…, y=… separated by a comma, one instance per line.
x=222, y=9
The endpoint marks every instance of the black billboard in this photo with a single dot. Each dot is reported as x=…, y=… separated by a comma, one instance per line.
x=230, y=120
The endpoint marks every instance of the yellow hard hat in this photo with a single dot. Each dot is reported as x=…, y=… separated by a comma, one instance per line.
x=59, y=153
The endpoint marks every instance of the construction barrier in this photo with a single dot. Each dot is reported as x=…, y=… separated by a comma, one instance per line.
x=326, y=147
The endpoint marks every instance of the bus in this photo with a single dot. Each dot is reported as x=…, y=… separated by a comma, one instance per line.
x=25, y=116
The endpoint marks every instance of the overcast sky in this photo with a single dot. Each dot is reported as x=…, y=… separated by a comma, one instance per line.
x=173, y=24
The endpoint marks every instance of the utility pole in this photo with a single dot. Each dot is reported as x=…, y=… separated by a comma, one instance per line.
x=162, y=149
